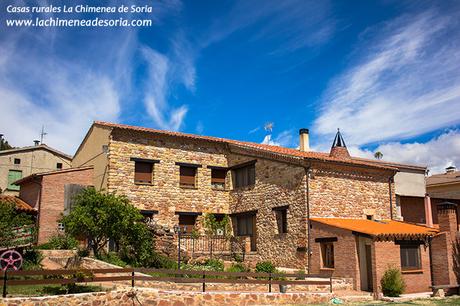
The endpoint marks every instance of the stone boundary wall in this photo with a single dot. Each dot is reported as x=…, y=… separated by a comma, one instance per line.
x=171, y=298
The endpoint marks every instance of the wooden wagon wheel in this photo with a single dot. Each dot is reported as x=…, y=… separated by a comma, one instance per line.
x=10, y=260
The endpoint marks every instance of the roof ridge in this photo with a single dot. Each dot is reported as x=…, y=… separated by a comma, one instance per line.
x=321, y=156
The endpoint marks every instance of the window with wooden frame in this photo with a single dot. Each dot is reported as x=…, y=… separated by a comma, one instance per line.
x=13, y=176
x=327, y=255
x=187, y=177
x=410, y=257
x=244, y=176
x=187, y=221
x=143, y=172
x=218, y=178
x=245, y=225
x=281, y=219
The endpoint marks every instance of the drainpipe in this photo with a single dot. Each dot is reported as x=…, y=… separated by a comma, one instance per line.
x=307, y=204
x=430, y=254
x=390, y=180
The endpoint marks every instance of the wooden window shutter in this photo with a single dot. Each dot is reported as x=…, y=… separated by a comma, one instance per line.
x=187, y=176
x=218, y=176
x=143, y=172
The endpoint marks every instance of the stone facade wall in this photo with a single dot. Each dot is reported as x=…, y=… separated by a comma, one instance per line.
x=387, y=254
x=32, y=161
x=165, y=194
x=277, y=184
x=347, y=192
x=126, y=297
x=346, y=264
x=52, y=199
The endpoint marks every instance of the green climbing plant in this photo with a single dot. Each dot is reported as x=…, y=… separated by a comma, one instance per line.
x=212, y=225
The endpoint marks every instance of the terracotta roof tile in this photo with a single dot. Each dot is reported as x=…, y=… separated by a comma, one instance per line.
x=380, y=229
x=18, y=203
x=29, y=177
x=320, y=156
x=444, y=178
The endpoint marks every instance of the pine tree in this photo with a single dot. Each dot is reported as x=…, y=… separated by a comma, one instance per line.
x=4, y=145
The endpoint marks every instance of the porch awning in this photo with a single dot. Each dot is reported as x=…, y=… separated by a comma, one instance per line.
x=381, y=229
x=19, y=204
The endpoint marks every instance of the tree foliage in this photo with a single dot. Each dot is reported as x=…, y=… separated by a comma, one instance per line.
x=103, y=216
x=212, y=226
x=4, y=145
x=10, y=219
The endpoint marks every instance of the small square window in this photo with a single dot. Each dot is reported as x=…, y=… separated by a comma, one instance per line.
x=143, y=172
x=60, y=227
x=218, y=178
x=327, y=255
x=410, y=257
x=187, y=176
x=17, y=161
x=59, y=166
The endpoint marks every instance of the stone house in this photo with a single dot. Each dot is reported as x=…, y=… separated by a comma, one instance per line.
x=50, y=194
x=280, y=200
x=21, y=162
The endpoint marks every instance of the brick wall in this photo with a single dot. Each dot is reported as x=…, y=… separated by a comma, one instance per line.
x=412, y=209
x=30, y=192
x=52, y=199
x=346, y=263
x=386, y=254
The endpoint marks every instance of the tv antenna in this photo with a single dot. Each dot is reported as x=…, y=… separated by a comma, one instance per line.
x=42, y=134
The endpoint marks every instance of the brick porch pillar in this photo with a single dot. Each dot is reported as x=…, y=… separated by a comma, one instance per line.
x=428, y=213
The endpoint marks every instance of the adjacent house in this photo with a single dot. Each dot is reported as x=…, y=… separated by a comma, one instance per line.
x=51, y=194
x=21, y=162
x=329, y=213
x=444, y=187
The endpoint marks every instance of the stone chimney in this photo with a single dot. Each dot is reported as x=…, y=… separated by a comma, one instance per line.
x=451, y=169
x=447, y=218
x=36, y=142
x=304, y=140
x=339, y=149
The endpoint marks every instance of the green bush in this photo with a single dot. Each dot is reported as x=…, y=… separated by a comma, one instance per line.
x=32, y=259
x=82, y=252
x=162, y=262
x=392, y=282
x=237, y=267
x=215, y=264
x=265, y=267
x=112, y=258
x=60, y=242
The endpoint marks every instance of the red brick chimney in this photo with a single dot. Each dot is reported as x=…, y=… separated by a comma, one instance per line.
x=447, y=218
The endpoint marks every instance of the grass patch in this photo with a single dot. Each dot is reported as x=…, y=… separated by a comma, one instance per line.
x=39, y=290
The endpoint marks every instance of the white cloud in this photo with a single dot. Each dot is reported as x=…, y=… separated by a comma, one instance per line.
x=407, y=83
x=158, y=88
x=283, y=139
x=437, y=153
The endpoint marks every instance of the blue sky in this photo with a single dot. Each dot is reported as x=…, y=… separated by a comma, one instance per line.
x=387, y=73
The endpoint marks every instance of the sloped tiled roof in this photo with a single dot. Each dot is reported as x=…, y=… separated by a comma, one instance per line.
x=320, y=156
x=382, y=229
x=32, y=148
x=29, y=177
x=444, y=178
x=18, y=203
